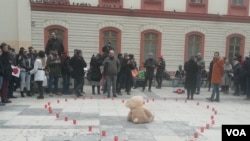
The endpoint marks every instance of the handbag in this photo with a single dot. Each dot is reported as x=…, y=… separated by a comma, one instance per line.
x=134, y=73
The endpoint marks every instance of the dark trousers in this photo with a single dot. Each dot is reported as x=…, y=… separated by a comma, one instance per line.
x=4, y=91
x=32, y=84
x=66, y=79
x=11, y=86
x=243, y=84
x=40, y=87
x=190, y=92
x=83, y=81
x=150, y=79
x=159, y=81
x=120, y=81
x=128, y=79
x=78, y=85
x=237, y=87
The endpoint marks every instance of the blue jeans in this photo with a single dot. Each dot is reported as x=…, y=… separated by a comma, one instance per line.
x=215, y=91
x=198, y=82
x=66, y=79
x=25, y=80
x=53, y=80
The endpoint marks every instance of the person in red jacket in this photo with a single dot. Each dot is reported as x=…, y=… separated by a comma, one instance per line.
x=216, y=79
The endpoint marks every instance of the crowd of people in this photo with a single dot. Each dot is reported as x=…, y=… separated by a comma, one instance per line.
x=111, y=73
x=222, y=75
x=108, y=72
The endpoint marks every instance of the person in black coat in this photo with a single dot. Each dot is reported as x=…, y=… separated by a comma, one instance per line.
x=65, y=73
x=7, y=72
x=247, y=69
x=191, y=69
x=54, y=43
x=95, y=72
x=210, y=74
x=128, y=65
x=160, y=71
x=150, y=65
x=237, y=71
x=78, y=64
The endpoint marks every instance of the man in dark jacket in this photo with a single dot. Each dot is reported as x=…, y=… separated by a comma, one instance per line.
x=111, y=69
x=55, y=43
x=247, y=69
x=150, y=65
x=78, y=64
x=54, y=66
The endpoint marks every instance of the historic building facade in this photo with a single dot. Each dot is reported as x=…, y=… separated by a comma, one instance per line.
x=177, y=29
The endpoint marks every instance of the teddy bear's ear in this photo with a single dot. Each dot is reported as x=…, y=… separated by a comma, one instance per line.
x=138, y=97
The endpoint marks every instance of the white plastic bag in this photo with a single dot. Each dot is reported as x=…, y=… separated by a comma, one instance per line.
x=45, y=82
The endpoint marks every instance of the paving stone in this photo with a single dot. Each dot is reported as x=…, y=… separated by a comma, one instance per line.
x=26, y=119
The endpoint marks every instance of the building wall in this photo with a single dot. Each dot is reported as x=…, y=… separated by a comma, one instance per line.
x=217, y=7
x=177, y=5
x=83, y=31
x=133, y=4
x=8, y=26
x=15, y=23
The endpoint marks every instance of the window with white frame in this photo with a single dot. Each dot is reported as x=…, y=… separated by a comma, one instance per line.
x=112, y=37
x=194, y=45
x=235, y=45
x=150, y=44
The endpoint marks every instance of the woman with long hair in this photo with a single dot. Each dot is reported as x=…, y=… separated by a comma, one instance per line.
x=39, y=71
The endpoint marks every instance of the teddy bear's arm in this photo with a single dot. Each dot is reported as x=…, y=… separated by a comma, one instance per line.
x=129, y=116
x=149, y=114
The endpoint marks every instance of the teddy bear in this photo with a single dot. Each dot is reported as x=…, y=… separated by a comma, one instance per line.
x=138, y=113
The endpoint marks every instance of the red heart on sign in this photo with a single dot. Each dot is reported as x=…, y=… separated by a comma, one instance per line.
x=15, y=70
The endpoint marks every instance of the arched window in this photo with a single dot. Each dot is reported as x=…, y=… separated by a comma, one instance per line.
x=194, y=43
x=61, y=32
x=150, y=43
x=110, y=34
x=235, y=45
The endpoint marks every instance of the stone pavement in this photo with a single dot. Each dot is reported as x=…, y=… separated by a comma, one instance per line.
x=27, y=119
